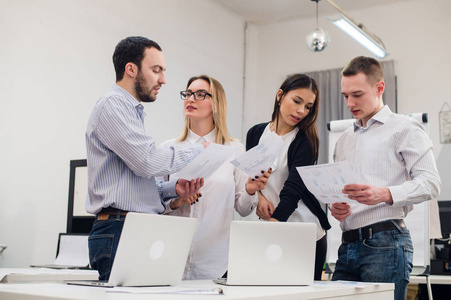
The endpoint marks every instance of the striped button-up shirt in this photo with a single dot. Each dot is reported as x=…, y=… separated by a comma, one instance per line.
x=392, y=151
x=123, y=159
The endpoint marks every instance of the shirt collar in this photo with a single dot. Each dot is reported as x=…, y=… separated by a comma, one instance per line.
x=382, y=116
x=139, y=107
x=194, y=138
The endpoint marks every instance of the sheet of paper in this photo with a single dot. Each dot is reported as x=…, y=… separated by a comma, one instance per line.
x=326, y=181
x=167, y=290
x=43, y=274
x=261, y=157
x=73, y=251
x=342, y=283
x=207, y=162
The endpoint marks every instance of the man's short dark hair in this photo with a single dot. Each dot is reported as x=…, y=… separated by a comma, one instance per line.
x=131, y=49
x=366, y=65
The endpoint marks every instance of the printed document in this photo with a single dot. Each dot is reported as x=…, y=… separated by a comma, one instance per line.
x=207, y=162
x=326, y=181
x=261, y=157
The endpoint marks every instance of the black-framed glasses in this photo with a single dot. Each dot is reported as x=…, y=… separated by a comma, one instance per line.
x=199, y=95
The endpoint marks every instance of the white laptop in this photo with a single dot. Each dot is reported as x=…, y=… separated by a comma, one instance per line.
x=152, y=251
x=271, y=253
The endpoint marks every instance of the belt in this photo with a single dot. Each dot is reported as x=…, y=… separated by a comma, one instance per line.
x=105, y=213
x=368, y=231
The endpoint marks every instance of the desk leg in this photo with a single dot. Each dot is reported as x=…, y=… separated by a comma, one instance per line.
x=428, y=282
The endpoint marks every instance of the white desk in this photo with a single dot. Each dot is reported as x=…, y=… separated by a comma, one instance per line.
x=41, y=291
x=434, y=279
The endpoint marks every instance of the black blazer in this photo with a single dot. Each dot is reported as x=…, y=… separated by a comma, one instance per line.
x=299, y=154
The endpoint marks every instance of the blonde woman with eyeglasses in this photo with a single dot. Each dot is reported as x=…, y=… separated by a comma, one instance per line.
x=225, y=191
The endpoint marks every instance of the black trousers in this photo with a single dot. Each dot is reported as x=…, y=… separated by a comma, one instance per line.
x=320, y=257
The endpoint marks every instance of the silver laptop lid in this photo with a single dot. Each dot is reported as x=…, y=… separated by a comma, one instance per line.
x=152, y=250
x=271, y=253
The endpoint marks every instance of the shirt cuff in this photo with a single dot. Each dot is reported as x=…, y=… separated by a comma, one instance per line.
x=397, y=195
x=168, y=208
x=168, y=190
x=252, y=198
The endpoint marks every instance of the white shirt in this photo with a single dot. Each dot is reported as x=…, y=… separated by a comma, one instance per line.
x=223, y=192
x=277, y=180
x=392, y=151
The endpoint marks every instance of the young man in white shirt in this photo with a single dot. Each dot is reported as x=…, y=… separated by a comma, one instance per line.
x=392, y=157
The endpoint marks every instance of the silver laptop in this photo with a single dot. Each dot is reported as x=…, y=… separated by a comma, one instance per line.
x=152, y=251
x=271, y=253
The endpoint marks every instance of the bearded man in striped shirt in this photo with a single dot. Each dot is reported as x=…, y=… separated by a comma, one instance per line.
x=123, y=160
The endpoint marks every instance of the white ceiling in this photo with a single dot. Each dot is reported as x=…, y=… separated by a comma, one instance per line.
x=262, y=12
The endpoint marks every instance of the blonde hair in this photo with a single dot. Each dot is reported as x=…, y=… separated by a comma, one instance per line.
x=219, y=108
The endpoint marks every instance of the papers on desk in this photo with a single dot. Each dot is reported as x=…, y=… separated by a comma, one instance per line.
x=207, y=162
x=73, y=253
x=167, y=290
x=260, y=157
x=326, y=181
x=43, y=274
x=342, y=283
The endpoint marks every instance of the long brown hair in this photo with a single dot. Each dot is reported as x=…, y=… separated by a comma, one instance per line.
x=308, y=124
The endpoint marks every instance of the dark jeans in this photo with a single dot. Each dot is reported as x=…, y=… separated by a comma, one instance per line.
x=386, y=257
x=102, y=242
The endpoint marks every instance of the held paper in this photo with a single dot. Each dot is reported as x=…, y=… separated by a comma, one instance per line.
x=326, y=181
x=207, y=162
x=261, y=157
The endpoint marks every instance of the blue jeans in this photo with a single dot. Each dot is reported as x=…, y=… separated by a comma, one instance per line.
x=386, y=257
x=102, y=242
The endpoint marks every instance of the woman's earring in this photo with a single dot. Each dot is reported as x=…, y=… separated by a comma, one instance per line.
x=278, y=103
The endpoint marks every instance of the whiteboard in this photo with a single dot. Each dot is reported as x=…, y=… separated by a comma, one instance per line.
x=417, y=220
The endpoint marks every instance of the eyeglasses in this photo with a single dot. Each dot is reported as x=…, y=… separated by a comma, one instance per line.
x=199, y=95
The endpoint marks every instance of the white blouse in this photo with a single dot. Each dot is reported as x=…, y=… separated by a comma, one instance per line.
x=277, y=181
x=223, y=192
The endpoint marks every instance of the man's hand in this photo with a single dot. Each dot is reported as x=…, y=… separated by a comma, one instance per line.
x=340, y=210
x=258, y=183
x=368, y=194
x=185, y=188
x=264, y=207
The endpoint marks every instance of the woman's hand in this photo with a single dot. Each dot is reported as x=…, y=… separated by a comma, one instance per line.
x=258, y=183
x=180, y=201
x=264, y=207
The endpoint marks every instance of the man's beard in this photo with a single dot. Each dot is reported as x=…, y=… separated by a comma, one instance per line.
x=143, y=93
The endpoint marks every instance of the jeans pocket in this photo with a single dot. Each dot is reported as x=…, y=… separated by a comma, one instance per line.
x=380, y=240
x=408, y=260
x=100, y=252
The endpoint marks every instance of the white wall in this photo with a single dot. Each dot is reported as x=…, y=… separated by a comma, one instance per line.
x=55, y=60
x=415, y=32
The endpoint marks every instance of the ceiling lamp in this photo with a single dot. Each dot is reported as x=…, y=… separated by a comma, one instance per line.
x=359, y=32
x=318, y=39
